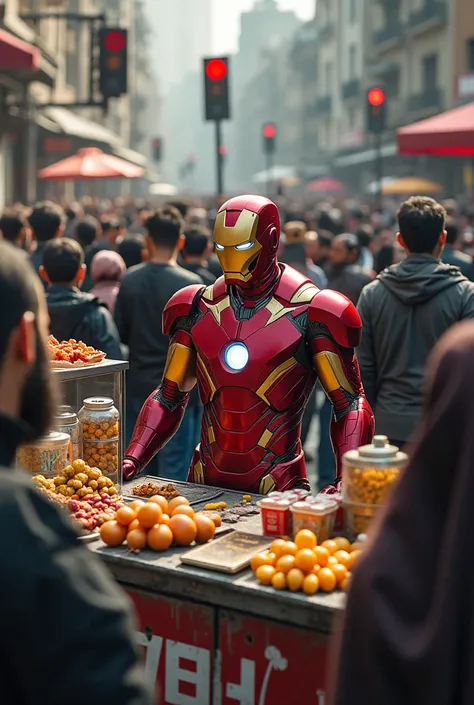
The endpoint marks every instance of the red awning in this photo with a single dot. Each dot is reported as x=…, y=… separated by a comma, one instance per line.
x=17, y=54
x=448, y=134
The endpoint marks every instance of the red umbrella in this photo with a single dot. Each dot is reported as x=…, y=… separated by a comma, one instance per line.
x=90, y=163
x=325, y=184
x=447, y=134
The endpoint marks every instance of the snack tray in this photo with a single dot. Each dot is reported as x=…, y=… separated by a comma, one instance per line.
x=196, y=494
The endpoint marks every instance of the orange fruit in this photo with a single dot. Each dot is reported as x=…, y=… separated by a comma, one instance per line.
x=327, y=580
x=279, y=581
x=112, y=533
x=322, y=555
x=134, y=525
x=285, y=564
x=216, y=518
x=136, y=504
x=183, y=509
x=330, y=545
x=125, y=515
x=271, y=558
x=305, y=560
x=277, y=547
x=289, y=549
x=165, y=519
x=136, y=540
x=353, y=558
x=265, y=574
x=175, y=503
x=149, y=515
x=258, y=560
x=316, y=569
x=346, y=582
x=205, y=528
x=332, y=560
x=311, y=584
x=184, y=529
x=342, y=557
x=305, y=539
x=160, y=537
x=357, y=546
x=160, y=501
x=342, y=543
x=340, y=572
x=295, y=579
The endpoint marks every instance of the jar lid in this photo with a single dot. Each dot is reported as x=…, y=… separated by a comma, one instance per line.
x=53, y=439
x=379, y=452
x=65, y=414
x=96, y=403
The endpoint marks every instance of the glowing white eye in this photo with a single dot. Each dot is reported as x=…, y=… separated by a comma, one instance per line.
x=219, y=247
x=244, y=246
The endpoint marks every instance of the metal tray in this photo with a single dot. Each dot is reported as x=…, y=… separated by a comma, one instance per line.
x=196, y=494
x=89, y=538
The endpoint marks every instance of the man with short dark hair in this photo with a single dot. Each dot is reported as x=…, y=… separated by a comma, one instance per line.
x=144, y=292
x=344, y=274
x=88, y=232
x=132, y=249
x=318, y=245
x=47, y=223
x=47, y=574
x=452, y=253
x=404, y=313
x=74, y=314
x=196, y=250
x=14, y=228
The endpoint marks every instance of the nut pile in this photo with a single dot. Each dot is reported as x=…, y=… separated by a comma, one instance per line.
x=150, y=489
x=102, y=455
x=99, y=430
x=77, y=481
x=370, y=486
x=91, y=514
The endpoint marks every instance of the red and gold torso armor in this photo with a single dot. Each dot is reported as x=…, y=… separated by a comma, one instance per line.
x=256, y=360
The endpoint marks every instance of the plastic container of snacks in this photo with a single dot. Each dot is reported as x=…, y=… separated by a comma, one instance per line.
x=66, y=421
x=47, y=456
x=276, y=516
x=369, y=473
x=100, y=423
x=358, y=517
x=316, y=514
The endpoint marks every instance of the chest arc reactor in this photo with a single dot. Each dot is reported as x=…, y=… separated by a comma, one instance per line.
x=236, y=356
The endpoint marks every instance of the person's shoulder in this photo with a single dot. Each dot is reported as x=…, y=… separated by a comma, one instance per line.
x=186, y=276
x=134, y=272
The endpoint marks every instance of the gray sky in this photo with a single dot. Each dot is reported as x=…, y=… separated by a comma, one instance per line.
x=226, y=15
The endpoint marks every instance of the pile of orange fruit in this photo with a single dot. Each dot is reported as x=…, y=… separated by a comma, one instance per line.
x=302, y=565
x=157, y=524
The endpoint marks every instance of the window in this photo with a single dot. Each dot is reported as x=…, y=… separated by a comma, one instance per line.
x=470, y=54
x=430, y=72
x=328, y=72
x=352, y=11
x=352, y=61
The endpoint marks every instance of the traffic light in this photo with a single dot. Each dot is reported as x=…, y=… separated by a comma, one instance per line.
x=113, y=63
x=216, y=88
x=269, y=137
x=157, y=149
x=376, y=110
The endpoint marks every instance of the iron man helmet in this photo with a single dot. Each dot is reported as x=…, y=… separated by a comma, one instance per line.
x=246, y=236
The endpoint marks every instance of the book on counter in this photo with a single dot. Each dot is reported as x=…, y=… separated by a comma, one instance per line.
x=228, y=554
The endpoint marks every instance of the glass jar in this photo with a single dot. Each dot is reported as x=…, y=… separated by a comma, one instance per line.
x=100, y=423
x=66, y=421
x=370, y=472
x=48, y=456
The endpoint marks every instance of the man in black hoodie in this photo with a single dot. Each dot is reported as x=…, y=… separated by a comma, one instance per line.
x=74, y=314
x=404, y=313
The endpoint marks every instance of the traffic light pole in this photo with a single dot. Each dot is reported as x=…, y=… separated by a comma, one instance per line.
x=269, y=169
x=219, y=159
x=379, y=169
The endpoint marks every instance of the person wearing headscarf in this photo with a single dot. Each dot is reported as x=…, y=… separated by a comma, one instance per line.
x=107, y=270
x=409, y=626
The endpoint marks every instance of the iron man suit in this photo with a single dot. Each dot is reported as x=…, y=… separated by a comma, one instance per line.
x=256, y=342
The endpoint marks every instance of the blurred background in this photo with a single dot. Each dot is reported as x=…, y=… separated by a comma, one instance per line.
x=302, y=66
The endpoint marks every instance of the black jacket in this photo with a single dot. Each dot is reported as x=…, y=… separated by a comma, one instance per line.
x=59, y=608
x=348, y=280
x=144, y=292
x=458, y=259
x=75, y=314
x=404, y=313
x=201, y=270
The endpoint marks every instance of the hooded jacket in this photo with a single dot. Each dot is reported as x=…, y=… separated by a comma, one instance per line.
x=74, y=314
x=404, y=312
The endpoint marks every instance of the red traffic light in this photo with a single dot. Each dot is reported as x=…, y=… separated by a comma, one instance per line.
x=269, y=131
x=216, y=69
x=115, y=40
x=376, y=97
